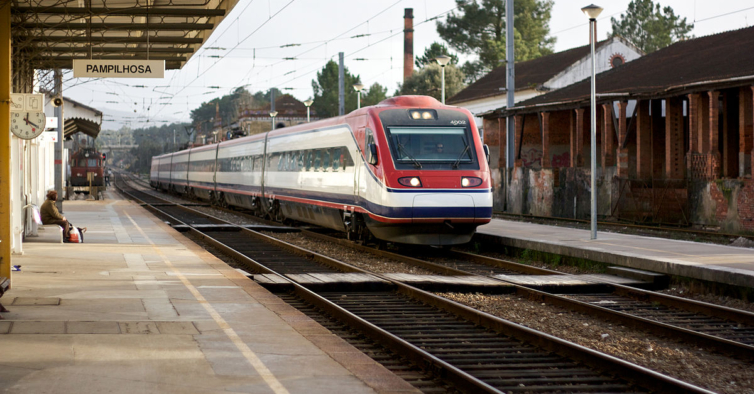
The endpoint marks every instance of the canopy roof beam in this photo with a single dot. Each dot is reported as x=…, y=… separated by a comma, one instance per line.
x=129, y=11
x=117, y=40
x=113, y=26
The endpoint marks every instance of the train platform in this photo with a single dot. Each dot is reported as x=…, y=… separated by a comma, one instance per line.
x=715, y=263
x=139, y=308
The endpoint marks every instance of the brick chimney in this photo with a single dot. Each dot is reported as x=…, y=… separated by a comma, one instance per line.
x=408, y=43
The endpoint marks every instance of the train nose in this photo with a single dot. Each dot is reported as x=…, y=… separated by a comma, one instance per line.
x=443, y=207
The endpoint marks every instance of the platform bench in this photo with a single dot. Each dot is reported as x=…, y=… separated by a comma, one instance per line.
x=53, y=228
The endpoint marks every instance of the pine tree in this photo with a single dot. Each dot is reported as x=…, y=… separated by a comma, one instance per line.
x=435, y=50
x=650, y=26
x=326, y=91
x=479, y=28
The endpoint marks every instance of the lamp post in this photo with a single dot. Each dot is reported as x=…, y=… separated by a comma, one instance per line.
x=308, y=103
x=358, y=87
x=273, y=114
x=592, y=11
x=443, y=61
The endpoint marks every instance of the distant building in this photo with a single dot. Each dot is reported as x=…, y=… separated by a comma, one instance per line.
x=544, y=74
x=257, y=120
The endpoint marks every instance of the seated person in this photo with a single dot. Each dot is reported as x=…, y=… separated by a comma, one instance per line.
x=51, y=215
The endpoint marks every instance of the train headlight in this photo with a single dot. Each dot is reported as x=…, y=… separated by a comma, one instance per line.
x=410, y=181
x=425, y=114
x=470, y=181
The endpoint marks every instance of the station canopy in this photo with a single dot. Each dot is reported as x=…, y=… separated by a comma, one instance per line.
x=50, y=34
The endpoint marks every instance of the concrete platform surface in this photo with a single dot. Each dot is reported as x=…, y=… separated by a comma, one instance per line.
x=715, y=263
x=139, y=308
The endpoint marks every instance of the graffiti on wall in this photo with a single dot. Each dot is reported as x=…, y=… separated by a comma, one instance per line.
x=532, y=158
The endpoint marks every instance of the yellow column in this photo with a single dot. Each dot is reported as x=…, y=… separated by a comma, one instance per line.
x=5, y=77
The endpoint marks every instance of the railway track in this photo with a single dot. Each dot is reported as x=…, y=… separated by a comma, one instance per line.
x=727, y=330
x=469, y=350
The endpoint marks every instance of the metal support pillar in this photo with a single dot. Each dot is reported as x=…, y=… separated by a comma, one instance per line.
x=593, y=123
x=510, y=129
x=341, y=86
x=272, y=107
x=59, y=167
x=443, y=84
x=5, y=175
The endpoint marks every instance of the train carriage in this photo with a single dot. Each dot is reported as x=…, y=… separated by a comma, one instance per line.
x=239, y=169
x=179, y=171
x=159, y=175
x=201, y=171
x=407, y=170
x=87, y=161
x=311, y=173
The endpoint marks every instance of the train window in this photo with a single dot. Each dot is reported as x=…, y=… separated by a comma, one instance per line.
x=326, y=161
x=368, y=138
x=438, y=144
x=293, y=161
x=336, y=159
x=318, y=160
x=92, y=163
x=308, y=159
x=300, y=158
x=347, y=159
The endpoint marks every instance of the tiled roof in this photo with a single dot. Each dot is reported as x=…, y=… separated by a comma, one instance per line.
x=707, y=62
x=529, y=74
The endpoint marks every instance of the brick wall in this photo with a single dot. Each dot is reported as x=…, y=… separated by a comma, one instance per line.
x=727, y=203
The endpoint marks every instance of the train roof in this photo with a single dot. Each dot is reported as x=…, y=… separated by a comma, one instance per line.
x=391, y=103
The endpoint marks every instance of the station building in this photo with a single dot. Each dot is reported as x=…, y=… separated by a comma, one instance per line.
x=544, y=74
x=674, y=140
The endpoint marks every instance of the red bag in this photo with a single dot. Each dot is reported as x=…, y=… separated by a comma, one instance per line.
x=75, y=235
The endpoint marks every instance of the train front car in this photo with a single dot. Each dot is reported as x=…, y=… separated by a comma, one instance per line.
x=435, y=172
x=87, y=161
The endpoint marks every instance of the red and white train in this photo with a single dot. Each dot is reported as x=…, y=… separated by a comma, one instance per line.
x=408, y=170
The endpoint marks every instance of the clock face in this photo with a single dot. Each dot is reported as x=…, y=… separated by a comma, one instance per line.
x=27, y=125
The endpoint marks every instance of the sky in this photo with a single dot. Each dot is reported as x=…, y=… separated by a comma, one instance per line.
x=245, y=50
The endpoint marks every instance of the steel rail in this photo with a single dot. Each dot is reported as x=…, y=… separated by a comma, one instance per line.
x=731, y=347
x=639, y=376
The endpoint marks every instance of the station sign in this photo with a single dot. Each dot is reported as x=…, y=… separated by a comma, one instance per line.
x=94, y=68
x=52, y=123
x=49, y=136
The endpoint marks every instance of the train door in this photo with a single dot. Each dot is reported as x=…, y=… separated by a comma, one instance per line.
x=358, y=167
x=214, y=173
x=170, y=173
x=188, y=171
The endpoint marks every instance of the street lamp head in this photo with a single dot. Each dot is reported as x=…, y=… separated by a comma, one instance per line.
x=592, y=11
x=443, y=60
x=273, y=114
x=308, y=103
x=358, y=87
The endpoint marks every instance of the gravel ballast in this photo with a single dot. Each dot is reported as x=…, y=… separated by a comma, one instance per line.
x=682, y=361
x=345, y=254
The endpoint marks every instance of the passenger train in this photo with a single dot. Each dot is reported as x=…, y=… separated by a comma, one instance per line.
x=408, y=170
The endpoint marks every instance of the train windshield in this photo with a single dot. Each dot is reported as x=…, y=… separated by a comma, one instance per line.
x=430, y=145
